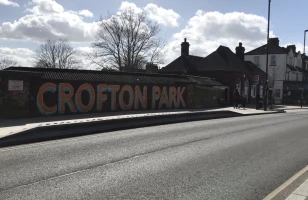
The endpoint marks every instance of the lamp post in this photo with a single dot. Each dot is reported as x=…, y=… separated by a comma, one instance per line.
x=266, y=76
x=303, y=70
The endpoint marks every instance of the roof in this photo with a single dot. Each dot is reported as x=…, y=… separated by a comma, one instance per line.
x=111, y=76
x=254, y=68
x=223, y=59
x=101, y=76
x=204, y=81
x=273, y=49
x=183, y=64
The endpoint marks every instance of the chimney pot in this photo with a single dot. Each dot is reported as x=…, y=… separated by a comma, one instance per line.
x=240, y=51
x=185, y=48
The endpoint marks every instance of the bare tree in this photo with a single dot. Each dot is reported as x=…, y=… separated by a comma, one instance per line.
x=57, y=54
x=129, y=40
x=6, y=62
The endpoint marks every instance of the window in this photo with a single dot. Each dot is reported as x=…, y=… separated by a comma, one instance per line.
x=273, y=60
x=261, y=91
x=257, y=60
x=253, y=91
x=277, y=93
x=246, y=88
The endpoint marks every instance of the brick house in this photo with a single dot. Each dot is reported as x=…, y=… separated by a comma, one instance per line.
x=226, y=67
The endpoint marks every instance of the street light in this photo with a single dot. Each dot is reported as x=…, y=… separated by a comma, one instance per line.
x=266, y=76
x=303, y=70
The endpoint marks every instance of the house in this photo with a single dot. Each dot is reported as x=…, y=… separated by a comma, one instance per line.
x=226, y=67
x=287, y=69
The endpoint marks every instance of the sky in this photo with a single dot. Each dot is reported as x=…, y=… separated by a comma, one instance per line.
x=25, y=24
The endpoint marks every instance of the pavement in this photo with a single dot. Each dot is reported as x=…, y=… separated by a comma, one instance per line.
x=296, y=188
x=15, y=126
x=301, y=193
x=236, y=158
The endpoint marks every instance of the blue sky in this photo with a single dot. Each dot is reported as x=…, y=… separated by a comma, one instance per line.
x=206, y=23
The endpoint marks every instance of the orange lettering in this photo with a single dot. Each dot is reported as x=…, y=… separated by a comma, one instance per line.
x=114, y=89
x=82, y=108
x=66, y=98
x=180, y=100
x=100, y=96
x=141, y=98
x=155, y=95
x=163, y=98
x=45, y=110
x=172, y=97
x=130, y=91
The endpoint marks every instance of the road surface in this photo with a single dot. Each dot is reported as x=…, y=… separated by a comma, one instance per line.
x=235, y=158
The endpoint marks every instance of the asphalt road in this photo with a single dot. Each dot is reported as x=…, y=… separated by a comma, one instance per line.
x=235, y=158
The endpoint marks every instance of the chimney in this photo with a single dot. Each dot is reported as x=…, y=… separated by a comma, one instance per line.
x=274, y=41
x=293, y=47
x=240, y=51
x=185, y=48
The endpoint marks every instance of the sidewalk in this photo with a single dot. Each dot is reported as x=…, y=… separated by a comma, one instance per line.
x=301, y=193
x=296, y=188
x=13, y=126
x=289, y=107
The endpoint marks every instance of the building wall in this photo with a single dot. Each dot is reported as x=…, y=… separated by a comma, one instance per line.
x=294, y=60
x=206, y=96
x=280, y=68
x=42, y=97
x=55, y=97
x=14, y=103
x=280, y=63
x=231, y=79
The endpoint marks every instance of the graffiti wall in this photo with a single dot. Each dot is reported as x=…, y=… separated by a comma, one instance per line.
x=56, y=98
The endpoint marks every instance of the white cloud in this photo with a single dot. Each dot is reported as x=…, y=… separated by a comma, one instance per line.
x=86, y=13
x=48, y=20
x=126, y=5
x=161, y=15
x=45, y=7
x=23, y=56
x=16, y=51
x=206, y=31
x=87, y=63
x=9, y=3
x=84, y=50
x=165, y=17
